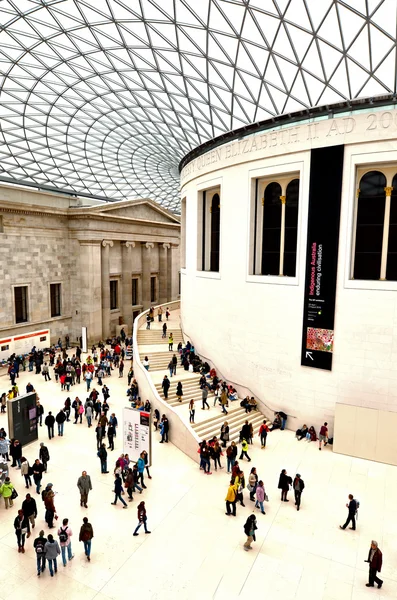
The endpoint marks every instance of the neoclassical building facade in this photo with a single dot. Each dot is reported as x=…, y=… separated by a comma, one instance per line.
x=71, y=262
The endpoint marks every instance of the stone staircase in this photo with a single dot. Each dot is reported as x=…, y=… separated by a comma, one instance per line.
x=213, y=418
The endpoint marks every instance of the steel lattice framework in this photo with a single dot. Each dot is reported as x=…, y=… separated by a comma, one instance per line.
x=106, y=96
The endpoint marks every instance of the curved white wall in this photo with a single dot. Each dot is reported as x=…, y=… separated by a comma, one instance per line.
x=251, y=326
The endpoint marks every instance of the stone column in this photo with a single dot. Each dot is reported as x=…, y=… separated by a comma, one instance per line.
x=164, y=250
x=90, y=289
x=105, y=288
x=126, y=248
x=146, y=273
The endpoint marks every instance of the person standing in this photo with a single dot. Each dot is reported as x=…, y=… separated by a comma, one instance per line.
x=166, y=386
x=49, y=422
x=39, y=545
x=165, y=429
x=60, y=419
x=260, y=496
x=160, y=314
x=263, y=431
x=16, y=453
x=26, y=471
x=352, y=508
x=204, y=396
x=283, y=484
x=298, y=486
x=6, y=491
x=252, y=483
x=224, y=434
x=224, y=401
x=142, y=518
x=52, y=551
x=44, y=455
x=249, y=529
x=179, y=391
x=170, y=342
x=85, y=536
x=174, y=362
x=164, y=330
x=38, y=470
x=323, y=435
x=118, y=490
x=84, y=485
x=231, y=455
x=48, y=497
x=375, y=565
x=103, y=457
x=192, y=411
x=141, y=468
x=21, y=526
x=46, y=372
x=29, y=508
x=88, y=415
x=64, y=534
x=231, y=498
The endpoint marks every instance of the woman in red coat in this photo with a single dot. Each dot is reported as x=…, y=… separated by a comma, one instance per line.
x=375, y=565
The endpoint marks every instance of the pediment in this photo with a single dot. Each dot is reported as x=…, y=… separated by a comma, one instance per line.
x=142, y=210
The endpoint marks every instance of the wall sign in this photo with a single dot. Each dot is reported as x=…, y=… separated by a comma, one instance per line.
x=137, y=435
x=326, y=173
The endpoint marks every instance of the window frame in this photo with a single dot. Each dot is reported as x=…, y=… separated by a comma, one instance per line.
x=58, y=283
x=14, y=287
x=153, y=297
x=207, y=190
x=137, y=291
x=117, y=307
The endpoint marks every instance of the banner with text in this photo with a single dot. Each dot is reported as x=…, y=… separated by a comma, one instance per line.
x=326, y=173
x=137, y=434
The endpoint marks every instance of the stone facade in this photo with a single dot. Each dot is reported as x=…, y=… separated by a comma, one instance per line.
x=83, y=245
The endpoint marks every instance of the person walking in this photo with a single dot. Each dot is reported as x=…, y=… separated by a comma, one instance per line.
x=249, y=529
x=283, y=484
x=29, y=508
x=252, y=483
x=174, y=362
x=64, y=534
x=6, y=491
x=170, y=342
x=60, y=419
x=142, y=519
x=26, y=471
x=16, y=453
x=179, y=391
x=192, y=411
x=224, y=434
x=85, y=536
x=141, y=468
x=166, y=386
x=49, y=422
x=224, y=401
x=260, y=496
x=21, y=526
x=231, y=499
x=231, y=455
x=39, y=545
x=44, y=455
x=88, y=414
x=118, y=490
x=244, y=450
x=103, y=457
x=375, y=565
x=164, y=330
x=165, y=429
x=46, y=372
x=48, y=496
x=352, y=508
x=298, y=487
x=204, y=396
x=38, y=470
x=52, y=551
x=84, y=485
x=263, y=431
x=323, y=435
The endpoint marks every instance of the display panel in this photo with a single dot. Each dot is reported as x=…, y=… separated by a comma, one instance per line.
x=22, y=418
x=136, y=433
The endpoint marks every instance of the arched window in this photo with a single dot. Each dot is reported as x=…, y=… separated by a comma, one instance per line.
x=271, y=230
x=369, y=229
x=291, y=228
x=215, y=232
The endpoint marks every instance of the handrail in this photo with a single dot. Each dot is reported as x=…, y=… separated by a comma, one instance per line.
x=235, y=384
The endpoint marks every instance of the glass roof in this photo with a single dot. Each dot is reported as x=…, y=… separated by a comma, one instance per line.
x=106, y=96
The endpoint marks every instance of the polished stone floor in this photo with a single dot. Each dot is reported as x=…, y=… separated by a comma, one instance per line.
x=194, y=550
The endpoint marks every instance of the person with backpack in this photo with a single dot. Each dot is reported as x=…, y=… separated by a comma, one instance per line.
x=39, y=545
x=263, y=431
x=298, y=487
x=21, y=526
x=85, y=536
x=351, y=516
x=6, y=490
x=29, y=508
x=44, y=455
x=249, y=529
x=64, y=534
x=52, y=551
x=142, y=519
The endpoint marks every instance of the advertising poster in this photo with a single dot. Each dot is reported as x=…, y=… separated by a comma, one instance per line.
x=326, y=173
x=137, y=435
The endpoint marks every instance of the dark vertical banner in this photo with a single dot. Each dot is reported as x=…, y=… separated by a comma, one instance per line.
x=326, y=173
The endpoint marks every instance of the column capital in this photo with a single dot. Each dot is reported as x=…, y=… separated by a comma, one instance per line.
x=388, y=190
x=173, y=246
x=107, y=243
x=165, y=246
x=128, y=244
x=147, y=245
x=283, y=199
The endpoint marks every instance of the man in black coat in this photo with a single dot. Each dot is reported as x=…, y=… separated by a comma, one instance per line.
x=166, y=386
x=299, y=486
x=49, y=421
x=29, y=508
x=60, y=419
x=44, y=455
x=352, y=506
x=375, y=565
